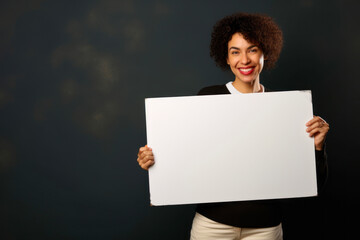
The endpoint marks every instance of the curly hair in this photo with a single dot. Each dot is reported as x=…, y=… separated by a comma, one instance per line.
x=258, y=29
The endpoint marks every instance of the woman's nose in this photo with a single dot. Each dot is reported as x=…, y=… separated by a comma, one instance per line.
x=244, y=59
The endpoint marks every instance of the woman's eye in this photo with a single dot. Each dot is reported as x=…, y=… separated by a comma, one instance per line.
x=253, y=50
x=234, y=52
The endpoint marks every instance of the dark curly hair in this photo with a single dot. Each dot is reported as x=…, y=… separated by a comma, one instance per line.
x=258, y=29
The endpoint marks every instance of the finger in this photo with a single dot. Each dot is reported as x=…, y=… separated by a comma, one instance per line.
x=324, y=128
x=143, y=149
x=315, y=125
x=146, y=153
x=145, y=160
x=313, y=120
x=316, y=131
x=147, y=165
x=146, y=147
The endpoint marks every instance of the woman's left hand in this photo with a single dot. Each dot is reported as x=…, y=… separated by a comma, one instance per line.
x=318, y=128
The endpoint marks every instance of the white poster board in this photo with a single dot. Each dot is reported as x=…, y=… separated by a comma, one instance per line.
x=223, y=148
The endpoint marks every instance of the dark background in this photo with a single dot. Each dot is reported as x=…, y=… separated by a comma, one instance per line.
x=74, y=75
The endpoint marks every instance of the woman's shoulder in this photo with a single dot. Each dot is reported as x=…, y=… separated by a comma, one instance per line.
x=213, y=90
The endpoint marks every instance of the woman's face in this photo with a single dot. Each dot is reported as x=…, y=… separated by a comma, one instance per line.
x=245, y=59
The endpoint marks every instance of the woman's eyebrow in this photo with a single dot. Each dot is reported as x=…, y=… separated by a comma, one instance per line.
x=236, y=48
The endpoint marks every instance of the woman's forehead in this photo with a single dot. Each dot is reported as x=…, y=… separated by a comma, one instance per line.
x=240, y=40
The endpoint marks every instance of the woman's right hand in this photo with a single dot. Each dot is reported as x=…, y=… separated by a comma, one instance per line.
x=145, y=157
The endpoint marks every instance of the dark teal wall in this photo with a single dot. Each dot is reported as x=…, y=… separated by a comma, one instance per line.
x=73, y=78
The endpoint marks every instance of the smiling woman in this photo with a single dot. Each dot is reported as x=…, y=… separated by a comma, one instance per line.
x=251, y=38
x=245, y=44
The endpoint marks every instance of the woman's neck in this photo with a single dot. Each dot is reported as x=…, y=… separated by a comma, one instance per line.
x=252, y=87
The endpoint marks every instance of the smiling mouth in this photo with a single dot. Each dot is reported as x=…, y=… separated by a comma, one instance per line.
x=246, y=71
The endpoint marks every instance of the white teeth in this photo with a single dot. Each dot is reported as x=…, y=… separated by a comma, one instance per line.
x=245, y=69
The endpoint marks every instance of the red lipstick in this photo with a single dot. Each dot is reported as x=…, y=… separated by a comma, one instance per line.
x=246, y=70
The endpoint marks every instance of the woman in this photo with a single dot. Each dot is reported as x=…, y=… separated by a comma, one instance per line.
x=245, y=43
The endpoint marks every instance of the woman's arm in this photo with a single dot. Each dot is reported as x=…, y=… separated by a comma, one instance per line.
x=318, y=128
x=321, y=168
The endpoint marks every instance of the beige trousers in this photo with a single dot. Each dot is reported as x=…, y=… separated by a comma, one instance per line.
x=204, y=228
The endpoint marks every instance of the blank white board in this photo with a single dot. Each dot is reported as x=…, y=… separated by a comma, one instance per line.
x=222, y=148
